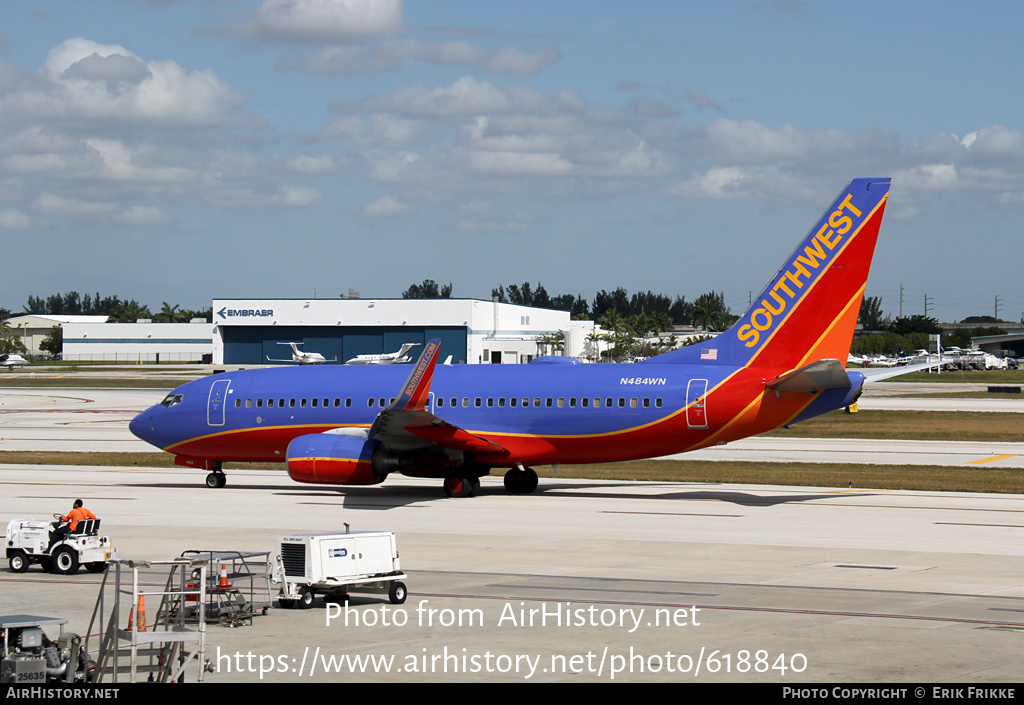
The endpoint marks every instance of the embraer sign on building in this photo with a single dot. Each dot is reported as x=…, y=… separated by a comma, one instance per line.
x=244, y=312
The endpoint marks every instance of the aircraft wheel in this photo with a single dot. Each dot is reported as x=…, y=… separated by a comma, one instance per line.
x=65, y=561
x=520, y=481
x=397, y=593
x=456, y=486
x=18, y=562
x=216, y=480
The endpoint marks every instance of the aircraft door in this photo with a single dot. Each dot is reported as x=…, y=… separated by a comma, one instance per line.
x=217, y=403
x=696, y=396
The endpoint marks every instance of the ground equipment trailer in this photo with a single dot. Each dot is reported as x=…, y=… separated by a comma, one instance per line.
x=28, y=539
x=335, y=565
x=29, y=657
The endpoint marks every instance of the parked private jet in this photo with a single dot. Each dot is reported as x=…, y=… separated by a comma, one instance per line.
x=303, y=358
x=782, y=362
x=385, y=359
x=12, y=360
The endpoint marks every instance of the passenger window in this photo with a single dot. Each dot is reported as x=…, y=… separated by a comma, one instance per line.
x=248, y=403
x=536, y=401
x=291, y=403
x=584, y=402
x=270, y=403
x=348, y=402
x=608, y=402
x=280, y=403
x=259, y=403
x=622, y=402
x=513, y=401
x=561, y=402
x=440, y=402
x=477, y=402
x=501, y=402
x=632, y=403
x=657, y=402
x=238, y=403
x=572, y=402
x=647, y=402
x=597, y=402
x=302, y=402
x=369, y=403
x=465, y=402
x=382, y=404
x=314, y=402
x=548, y=402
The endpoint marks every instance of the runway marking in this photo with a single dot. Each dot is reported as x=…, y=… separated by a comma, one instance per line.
x=990, y=460
x=768, y=610
x=963, y=523
x=673, y=514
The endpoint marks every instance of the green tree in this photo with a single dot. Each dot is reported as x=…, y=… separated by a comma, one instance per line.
x=428, y=290
x=53, y=343
x=915, y=324
x=871, y=316
x=169, y=314
x=10, y=342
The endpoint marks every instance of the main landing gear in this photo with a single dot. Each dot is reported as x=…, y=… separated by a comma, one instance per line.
x=520, y=480
x=217, y=478
x=457, y=486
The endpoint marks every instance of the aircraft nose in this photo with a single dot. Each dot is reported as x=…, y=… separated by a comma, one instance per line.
x=139, y=426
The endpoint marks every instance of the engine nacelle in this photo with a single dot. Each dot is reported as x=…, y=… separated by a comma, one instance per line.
x=333, y=459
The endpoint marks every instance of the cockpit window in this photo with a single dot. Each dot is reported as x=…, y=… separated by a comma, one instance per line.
x=171, y=399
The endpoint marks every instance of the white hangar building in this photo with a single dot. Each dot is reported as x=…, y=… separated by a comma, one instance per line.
x=255, y=331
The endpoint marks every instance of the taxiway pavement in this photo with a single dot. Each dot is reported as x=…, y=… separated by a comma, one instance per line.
x=585, y=580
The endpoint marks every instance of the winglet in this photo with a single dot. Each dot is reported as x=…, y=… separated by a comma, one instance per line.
x=417, y=387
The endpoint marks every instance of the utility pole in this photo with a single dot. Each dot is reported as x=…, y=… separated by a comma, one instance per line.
x=997, y=306
x=901, y=301
x=926, y=298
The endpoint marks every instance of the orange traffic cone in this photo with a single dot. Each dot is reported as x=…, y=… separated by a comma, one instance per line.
x=222, y=584
x=142, y=613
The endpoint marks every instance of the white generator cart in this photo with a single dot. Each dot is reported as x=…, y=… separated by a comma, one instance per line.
x=28, y=539
x=334, y=565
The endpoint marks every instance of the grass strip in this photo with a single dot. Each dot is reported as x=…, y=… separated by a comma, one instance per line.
x=843, y=475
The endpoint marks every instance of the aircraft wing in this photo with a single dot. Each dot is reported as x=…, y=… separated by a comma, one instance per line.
x=407, y=425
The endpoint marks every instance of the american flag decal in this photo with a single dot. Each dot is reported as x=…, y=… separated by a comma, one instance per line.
x=709, y=354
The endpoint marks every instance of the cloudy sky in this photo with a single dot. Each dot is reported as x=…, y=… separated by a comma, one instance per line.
x=182, y=150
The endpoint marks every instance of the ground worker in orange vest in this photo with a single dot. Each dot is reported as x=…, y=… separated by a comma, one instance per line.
x=78, y=513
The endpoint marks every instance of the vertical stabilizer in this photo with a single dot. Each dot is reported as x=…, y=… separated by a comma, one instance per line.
x=809, y=309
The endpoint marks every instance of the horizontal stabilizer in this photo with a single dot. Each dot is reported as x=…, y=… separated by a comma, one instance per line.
x=815, y=377
x=877, y=375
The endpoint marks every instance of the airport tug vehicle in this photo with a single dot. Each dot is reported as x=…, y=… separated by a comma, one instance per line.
x=334, y=565
x=27, y=541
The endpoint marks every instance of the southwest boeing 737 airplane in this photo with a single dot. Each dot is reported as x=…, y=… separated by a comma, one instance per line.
x=782, y=362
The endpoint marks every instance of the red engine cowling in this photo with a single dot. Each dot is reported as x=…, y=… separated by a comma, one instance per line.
x=332, y=459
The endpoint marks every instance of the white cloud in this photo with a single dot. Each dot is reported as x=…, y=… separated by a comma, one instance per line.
x=312, y=164
x=14, y=220
x=386, y=207
x=326, y=21
x=516, y=61
x=143, y=215
x=466, y=96
x=82, y=79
